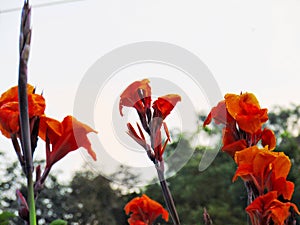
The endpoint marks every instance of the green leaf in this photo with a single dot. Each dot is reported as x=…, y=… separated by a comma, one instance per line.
x=5, y=217
x=59, y=222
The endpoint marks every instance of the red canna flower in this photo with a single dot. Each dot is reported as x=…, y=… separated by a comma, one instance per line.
x=267, y=208
x=164, y=105
x=137, y=95
x=9, y=109
x=162, y=108
x=65, y=136
x=144, y=211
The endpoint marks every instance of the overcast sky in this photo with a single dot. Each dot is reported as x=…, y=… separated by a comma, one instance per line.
x=247, y=45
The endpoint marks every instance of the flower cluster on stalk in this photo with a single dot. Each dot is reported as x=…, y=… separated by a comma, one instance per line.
x=60, y=137
x=138, y=96
x=263, y=170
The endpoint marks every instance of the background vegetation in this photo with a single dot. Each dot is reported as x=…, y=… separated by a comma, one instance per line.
x=90, y=199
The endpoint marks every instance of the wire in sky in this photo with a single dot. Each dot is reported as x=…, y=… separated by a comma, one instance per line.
x=41, y=5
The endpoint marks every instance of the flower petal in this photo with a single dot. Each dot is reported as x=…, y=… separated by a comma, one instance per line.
x=164, y=105
x=137, y=94
x=268, y=139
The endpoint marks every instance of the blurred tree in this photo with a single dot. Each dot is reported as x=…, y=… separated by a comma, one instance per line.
x=91, y=199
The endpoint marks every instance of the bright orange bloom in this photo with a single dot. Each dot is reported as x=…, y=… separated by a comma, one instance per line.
x=164, y=105
x=144, y=211
x=9, y=109
x=137, y=95
x=267, y=207
x=264, y=167
x=65, y=136
x=245, y=109
x=243, y=119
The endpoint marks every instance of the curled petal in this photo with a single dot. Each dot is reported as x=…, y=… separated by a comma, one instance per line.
x=268, y=139
x=283, y=187
x=137, y=95
x=165, y=104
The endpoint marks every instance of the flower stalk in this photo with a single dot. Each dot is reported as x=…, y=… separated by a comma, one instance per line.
x=167, y=193
x=25, y=37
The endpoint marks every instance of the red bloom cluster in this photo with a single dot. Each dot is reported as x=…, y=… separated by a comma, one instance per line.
x=262, y=169
x=144, y=211
x=138, y=95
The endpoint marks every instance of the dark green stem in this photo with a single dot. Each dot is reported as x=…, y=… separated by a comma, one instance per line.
x=167, y=193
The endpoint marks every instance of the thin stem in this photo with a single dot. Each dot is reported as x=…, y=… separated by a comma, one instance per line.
x=25, y=37
x=31, y=200
x=167, y=193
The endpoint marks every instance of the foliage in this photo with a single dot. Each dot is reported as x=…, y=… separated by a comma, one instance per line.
x=89, y=198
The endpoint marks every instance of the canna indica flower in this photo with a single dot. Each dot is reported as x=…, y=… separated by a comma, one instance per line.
x=162, y=108
x=144, y=211
x=164, y=105
x=65, y=136
x=267, y=209
x=245, y=109
x=9, y=109
x=242, y=118
x=265, y=169
x=137, y=95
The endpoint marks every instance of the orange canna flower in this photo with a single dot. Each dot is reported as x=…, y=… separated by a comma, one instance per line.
x=245, y=109
x=9, y=109
x=65, y=136
x=137, y=95
x=239, y=114
x=144, y=211
x=267, y=207
x=263, y=167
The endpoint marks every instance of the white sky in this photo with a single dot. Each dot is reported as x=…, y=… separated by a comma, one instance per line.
x=247, y=45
